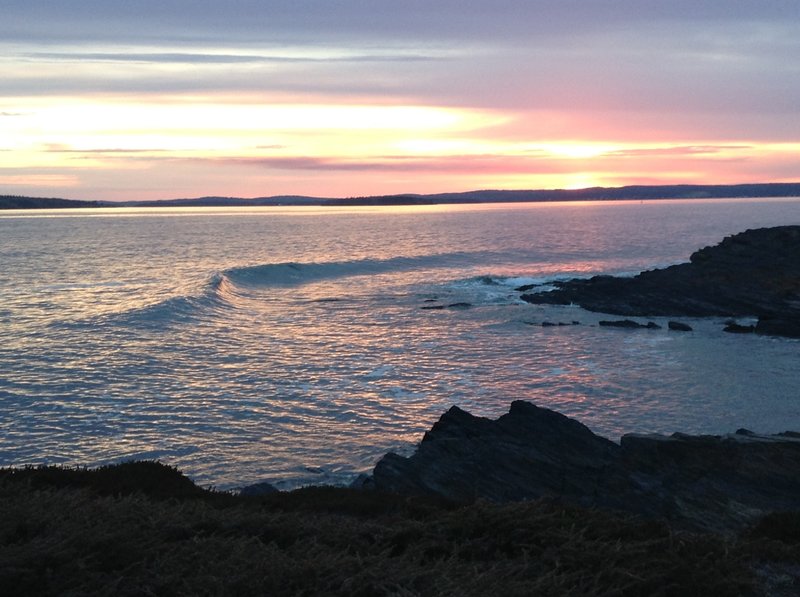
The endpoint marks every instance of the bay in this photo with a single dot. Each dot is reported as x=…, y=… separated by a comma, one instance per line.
x=297, y=345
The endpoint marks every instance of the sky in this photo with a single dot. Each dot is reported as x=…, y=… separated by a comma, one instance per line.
x=337, y=98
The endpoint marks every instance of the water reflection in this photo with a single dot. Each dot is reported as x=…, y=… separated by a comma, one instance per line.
x=128, y=339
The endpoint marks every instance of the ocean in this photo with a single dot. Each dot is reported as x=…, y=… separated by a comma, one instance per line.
x=297, y=345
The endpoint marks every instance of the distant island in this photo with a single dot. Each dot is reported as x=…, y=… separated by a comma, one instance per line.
x=18, y=202
x=633, y=192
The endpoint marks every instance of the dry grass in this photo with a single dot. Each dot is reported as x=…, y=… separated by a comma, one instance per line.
x=144, y=529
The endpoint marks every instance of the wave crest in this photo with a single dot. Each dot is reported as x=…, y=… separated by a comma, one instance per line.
x=232, y=287
x=297, y=274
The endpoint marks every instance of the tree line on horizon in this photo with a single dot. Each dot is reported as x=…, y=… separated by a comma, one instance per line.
x=631, y=192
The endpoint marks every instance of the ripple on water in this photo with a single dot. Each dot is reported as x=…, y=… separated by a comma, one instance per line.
x=114, y=344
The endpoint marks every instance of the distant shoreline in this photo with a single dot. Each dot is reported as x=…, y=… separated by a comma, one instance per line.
x=626, y=193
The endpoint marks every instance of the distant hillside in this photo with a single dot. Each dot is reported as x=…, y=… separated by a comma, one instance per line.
x=229, y=201
x=18, y=202
x=635, y=192
x=384, y=200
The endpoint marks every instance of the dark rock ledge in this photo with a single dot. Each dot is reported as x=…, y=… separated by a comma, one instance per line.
x=755, y=273
x=714, y=483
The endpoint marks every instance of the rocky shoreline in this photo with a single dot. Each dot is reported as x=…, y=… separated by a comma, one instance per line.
x=717, y=483
x=755, y=273
x=143, y=528
x=530, y=503
x=707, y=482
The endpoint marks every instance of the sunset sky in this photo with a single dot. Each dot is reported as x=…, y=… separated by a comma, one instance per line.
x=163, y=99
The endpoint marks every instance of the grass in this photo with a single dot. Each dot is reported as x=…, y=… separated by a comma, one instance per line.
x=144, y=529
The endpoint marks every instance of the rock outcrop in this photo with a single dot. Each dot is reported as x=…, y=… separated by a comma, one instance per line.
x=754, y=273
x=713, y=482
x=527, y=453
x=702, y=482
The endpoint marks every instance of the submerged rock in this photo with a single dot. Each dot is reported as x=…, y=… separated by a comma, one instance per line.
x=677, y=326
x=450, y=306
x=526, y=287
x=704, y=482
x=753, y=273
x=736, y=328
x=630, y=324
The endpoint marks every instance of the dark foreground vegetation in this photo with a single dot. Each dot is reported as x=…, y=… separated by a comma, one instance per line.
x=142, y=528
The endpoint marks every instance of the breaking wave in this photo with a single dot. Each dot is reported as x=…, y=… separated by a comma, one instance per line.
x=232, y=287
x=298, y=274
x=216, y=297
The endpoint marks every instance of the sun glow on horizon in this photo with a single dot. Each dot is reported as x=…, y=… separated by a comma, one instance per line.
x=103, y=101
x=581, y=180
x=237, y=131
x=329, y=150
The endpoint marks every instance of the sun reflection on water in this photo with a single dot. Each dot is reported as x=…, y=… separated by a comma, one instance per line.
x=173, y=338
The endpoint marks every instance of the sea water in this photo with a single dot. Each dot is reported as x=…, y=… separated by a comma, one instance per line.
x=297, y=345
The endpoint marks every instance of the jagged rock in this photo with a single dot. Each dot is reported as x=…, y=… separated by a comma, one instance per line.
x=677, y=326
x=753, y=273
x=528, y=453
x=715, y=483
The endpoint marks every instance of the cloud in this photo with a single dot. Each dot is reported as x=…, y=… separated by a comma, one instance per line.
x=669, y=82
x=344, y=72
x=323, y=21
x=468, y=164
x=685, y=150
x=194, y=58
x=683, y=56
x=57, y=148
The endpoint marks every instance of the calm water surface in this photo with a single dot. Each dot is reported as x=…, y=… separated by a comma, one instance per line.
x=291, y=344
